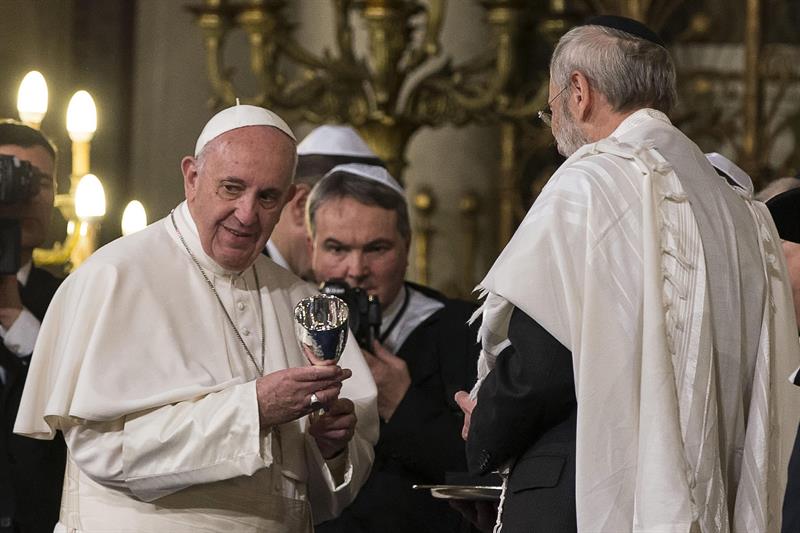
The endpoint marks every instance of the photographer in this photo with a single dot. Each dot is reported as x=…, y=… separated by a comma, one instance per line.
x=31, y=471
x=360, y=233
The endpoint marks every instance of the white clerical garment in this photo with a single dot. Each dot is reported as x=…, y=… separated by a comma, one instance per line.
x=670, y=289
x=137, y=364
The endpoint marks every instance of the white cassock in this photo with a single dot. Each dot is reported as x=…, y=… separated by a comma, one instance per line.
x=670, y=289
x=137, y=364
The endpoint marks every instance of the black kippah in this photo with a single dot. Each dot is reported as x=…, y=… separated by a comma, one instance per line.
x=634, y=27
x=785, y=211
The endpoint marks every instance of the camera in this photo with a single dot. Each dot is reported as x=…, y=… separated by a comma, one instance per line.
x=364, y=310
x=19, y=182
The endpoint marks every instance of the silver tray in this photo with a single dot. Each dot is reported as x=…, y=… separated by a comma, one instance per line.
x=462, y=492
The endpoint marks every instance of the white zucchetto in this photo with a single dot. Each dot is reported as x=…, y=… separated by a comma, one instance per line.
x=334, y=140
x=370, y=172
x=239, y=116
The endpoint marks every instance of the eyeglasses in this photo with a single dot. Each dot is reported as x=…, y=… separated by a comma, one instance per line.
x=546, y=114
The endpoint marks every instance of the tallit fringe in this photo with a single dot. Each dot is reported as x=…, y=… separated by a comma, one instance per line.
x=651, y=163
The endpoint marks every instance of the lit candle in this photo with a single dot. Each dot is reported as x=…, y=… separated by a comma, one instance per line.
x=32, y=99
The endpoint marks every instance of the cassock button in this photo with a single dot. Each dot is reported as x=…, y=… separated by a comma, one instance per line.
x=240, y=306
x=245, y=332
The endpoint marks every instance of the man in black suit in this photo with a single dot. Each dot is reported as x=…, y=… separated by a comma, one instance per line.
x=535, y=371
x=425, y=353
x=589, y=304
x=31, y=471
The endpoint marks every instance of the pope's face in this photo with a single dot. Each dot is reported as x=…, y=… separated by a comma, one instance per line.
x=361, y=245
x=34, y=215
x=237, y=190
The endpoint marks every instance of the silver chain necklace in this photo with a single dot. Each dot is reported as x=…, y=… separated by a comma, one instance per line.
x=227, y=315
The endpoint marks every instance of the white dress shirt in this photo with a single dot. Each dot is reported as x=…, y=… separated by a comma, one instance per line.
x=20, y=338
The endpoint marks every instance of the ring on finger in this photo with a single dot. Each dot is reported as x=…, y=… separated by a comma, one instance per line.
x=314, y=402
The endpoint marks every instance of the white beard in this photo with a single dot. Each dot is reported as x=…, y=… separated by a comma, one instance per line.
x=568, y=136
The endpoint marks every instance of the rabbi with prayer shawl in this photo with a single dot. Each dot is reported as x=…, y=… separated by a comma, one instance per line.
x=638, y=328
x=169, y=362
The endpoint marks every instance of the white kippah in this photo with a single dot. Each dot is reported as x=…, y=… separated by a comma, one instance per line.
x=370, y=172
x=729, y=168
x=239, y=116
x=334, y=140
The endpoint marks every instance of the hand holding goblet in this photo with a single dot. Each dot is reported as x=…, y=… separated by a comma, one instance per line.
x=321, y=329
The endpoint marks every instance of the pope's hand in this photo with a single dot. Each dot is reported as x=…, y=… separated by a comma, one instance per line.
x=466, y=405
x=334, y=428
x=285, y=395
x=391, y=378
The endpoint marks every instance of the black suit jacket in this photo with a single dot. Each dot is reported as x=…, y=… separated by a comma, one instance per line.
x=31, y=471
x=422, y=440
x=791, y=499
x=526, y=413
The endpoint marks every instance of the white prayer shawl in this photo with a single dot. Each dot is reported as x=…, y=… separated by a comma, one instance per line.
x=610, y=261
x=136, y=330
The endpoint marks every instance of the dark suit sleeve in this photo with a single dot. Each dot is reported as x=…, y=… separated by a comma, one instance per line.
x=424, y=434
x=31, y=470
x=791, y=498
x=530, y=390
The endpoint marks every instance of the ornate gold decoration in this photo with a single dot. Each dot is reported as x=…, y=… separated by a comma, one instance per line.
x=753, y=86
x=385, y=95
x=405, y=82
x=468, y=206
x=746, y=109
x=424, y=205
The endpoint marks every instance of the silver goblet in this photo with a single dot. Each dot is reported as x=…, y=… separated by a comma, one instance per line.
x=321, y=327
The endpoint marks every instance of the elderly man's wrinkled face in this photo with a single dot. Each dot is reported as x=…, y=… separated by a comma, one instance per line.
x=361, y=245
x=34, y=215
x=568, y=135
x=236, y=191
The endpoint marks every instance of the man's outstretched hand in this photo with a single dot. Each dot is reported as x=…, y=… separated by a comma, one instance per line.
x=467, y=405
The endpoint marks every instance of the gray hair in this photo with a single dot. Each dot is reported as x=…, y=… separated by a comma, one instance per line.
x=364, y=191
x=630, y=72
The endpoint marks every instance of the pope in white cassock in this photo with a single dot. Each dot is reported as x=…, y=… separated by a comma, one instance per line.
x=665, y=292
x=169, y=362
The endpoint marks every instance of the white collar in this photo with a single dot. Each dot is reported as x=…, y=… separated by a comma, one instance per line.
x=24, y=273
x=188, y=229
x=389, y=313
x=417, y=311
x=276, y=255
x=637, y=118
